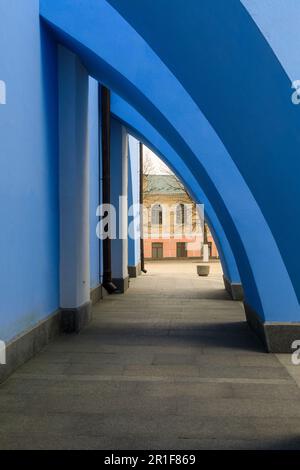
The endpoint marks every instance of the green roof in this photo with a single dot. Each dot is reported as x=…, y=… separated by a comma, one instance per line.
x=163, y=184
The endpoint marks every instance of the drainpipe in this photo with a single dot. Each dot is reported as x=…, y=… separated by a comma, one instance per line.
x=104, y=111
x=205, y=237
x=141, y=204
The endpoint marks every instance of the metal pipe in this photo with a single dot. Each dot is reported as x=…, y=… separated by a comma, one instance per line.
x=141, y=205
x=104, y=105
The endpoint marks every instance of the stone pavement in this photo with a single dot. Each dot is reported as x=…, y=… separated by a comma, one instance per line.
x=169, y=365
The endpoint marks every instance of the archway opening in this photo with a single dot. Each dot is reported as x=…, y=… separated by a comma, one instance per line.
x=179, y=248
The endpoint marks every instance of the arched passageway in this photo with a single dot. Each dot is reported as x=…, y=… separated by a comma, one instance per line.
x=139, y=127
x=236, y=194
x=169, y=364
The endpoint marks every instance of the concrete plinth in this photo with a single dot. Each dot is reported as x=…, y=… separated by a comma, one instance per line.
x=134, y=271
x=73, y=320
x=235, y=290
x=30, y=343
x=122, y=284
x=277, y=337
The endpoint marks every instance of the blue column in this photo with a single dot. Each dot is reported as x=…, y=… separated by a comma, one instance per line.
x=119, y=199
x=94, y=189
x=74, y=191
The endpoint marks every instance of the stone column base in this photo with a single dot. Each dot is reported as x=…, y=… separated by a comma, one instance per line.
x=73, y=320
x=277, y=337
x=135, y=271
x=235, y=290
x=96, y=294
x=121, y=284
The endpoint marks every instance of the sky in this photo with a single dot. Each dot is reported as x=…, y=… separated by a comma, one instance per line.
x=153, y=164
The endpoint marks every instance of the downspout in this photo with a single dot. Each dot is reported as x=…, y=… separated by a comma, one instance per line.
x=141, y=205
x=104, y=108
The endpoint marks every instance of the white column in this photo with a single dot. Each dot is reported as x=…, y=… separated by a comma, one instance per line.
x=73, y=190
x=205, y=253
x=119, y=198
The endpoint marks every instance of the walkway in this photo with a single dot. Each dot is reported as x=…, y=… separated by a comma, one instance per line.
x=171, y=364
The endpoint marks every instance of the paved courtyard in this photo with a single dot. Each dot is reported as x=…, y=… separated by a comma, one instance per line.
x=171, y=364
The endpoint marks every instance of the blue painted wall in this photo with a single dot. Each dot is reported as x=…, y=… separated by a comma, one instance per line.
x=134, y=247
x=29, y=235
x=94, y=182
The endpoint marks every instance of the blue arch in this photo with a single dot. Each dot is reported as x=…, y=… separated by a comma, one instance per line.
x=113, y=52
x=220, y=56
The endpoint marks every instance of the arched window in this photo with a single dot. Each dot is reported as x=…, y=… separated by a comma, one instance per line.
x=157, y=215
x=180, y=214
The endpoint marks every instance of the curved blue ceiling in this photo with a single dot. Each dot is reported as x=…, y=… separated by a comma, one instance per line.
x=224, y=62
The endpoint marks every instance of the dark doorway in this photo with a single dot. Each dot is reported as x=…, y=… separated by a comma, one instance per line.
x=157, y=250
x=181, y=250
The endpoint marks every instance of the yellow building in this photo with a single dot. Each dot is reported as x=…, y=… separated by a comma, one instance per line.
x=173, y=225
